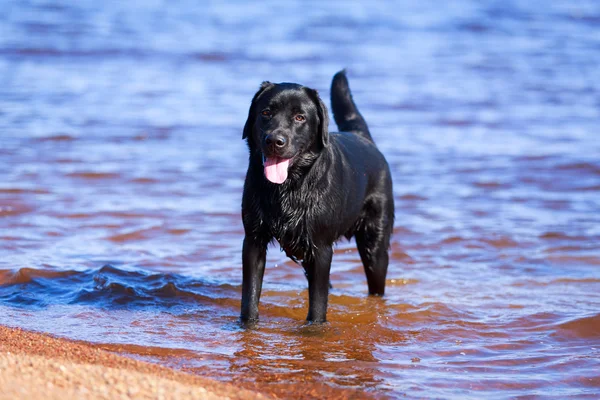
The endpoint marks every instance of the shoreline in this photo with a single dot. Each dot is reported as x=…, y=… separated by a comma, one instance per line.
x=37, y=365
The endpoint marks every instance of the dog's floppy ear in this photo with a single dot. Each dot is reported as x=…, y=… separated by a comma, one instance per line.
x=252, y=112
x=323, y=129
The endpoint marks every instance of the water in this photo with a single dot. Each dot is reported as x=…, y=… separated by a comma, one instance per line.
x=122, y=167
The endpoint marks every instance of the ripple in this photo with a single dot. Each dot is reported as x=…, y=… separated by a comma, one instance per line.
x=412, y=197
x=580, y=168
x=93, y=175
x=14, y=209
x=27, y=275
x=553, y=235
x=580, y=328
x=56, y=138
x=107, y=287
x=135, y=235
x=501, y=242
x=16, y=190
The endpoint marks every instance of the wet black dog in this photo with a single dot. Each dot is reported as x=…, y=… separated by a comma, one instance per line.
x=306, y=187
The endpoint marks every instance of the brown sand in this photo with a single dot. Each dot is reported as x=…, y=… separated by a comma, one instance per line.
x=38, y=366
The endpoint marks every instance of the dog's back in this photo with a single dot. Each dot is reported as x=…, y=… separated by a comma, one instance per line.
x=346, y=114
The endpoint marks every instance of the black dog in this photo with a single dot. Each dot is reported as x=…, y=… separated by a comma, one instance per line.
x=306, y=187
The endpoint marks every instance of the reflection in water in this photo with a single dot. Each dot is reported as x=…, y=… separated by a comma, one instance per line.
x=122, y=171
x=307, y=354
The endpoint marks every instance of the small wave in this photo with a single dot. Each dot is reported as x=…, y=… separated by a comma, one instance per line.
x=557, y=281
x=27, y=275
x=112, y=293
x=591, y=188
x=100, y=214
x=107, y=287
x=412, y=197
x=580, y=328
x=534, y=322
x=570, y=248
x=474, y=27
x=23, y=191
x=56, y=52
x=453, y=239
x=179, y=231
x=138, y=234
x=145, y=180
x=211, y=57
x=408, y=106
x=55, y=138
x=537, y=157
x=565, y=259
x=501, y=242
x=15, y=209
x=553, y=235
x=455, y=122
x=432, y=311
x=169, y=290
x=576, y=280
x=94, y=175
x=580, y=167
x=491, y=185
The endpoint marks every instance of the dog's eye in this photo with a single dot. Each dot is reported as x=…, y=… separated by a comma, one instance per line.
x=300, y=118
x=265, y=113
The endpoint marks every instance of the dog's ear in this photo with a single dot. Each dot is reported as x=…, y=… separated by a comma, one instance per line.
x=252, y=112
x=323, y=129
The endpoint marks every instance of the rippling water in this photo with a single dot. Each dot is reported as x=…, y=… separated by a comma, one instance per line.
x=122, y=167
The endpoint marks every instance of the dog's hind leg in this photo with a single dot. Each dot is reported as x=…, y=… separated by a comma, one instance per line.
x=317, y=268
x=372, y=240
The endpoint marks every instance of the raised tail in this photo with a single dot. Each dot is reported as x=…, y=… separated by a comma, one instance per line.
x=345, y=113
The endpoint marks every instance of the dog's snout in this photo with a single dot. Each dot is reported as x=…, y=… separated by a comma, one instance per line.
x=275, y=140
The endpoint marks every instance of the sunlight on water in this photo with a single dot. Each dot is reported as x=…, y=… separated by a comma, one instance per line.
x=123, y=165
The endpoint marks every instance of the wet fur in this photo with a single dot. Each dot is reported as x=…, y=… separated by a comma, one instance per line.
x=339, y=184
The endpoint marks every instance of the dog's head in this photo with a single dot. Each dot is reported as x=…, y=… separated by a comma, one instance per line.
x=286, y=121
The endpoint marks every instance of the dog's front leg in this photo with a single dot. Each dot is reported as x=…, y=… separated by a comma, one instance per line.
x=253, y=259
x=317, y=269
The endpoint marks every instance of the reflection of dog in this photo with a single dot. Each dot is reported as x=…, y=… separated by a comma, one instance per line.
x=307, y=187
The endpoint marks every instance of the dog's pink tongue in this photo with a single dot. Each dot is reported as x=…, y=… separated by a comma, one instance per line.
x=276, y=169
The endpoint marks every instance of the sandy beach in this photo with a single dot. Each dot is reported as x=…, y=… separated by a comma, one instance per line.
x=36, y=366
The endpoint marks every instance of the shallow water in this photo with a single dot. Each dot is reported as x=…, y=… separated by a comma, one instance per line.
x=122, y=167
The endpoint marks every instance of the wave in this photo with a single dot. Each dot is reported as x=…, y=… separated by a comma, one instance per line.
x=108, y=287
x=580, y=328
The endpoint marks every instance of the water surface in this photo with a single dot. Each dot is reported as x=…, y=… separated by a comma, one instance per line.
x=122, y=169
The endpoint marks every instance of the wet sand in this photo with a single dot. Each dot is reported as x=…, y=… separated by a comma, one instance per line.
x=36, y=366
x=40, y=366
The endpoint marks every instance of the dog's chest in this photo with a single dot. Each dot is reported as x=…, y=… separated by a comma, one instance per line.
x=293, y=235
x=290, y=224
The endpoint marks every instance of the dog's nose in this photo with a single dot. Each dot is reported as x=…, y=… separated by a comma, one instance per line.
x=276, y=140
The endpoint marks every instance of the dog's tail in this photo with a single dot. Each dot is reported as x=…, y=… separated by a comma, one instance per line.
x=345, y=113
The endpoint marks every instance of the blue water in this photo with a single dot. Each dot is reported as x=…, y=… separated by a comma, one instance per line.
x=122, y=167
